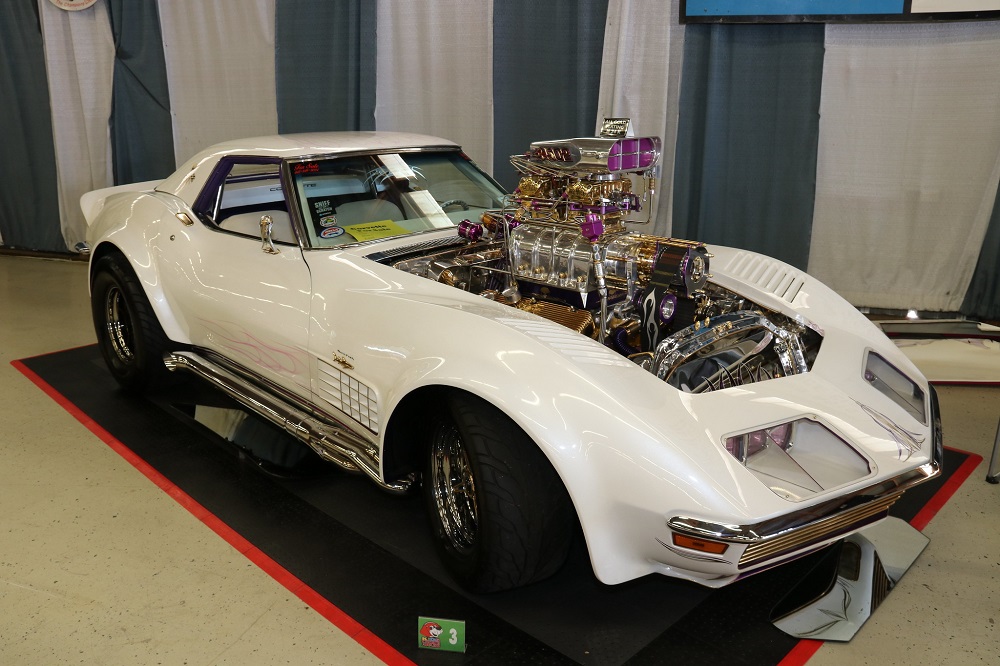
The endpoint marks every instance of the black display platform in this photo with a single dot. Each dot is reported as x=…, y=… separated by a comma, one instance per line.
x=364, y=558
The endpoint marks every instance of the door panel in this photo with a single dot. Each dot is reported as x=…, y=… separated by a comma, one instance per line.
x=248, y=305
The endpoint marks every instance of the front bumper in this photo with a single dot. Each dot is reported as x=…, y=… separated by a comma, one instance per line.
x=765, y=543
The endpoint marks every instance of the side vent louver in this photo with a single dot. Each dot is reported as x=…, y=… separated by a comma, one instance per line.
x=348, y=395
x=768, y=275
x=566, y=342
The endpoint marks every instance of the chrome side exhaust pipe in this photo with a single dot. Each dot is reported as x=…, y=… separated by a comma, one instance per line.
x=332, y=441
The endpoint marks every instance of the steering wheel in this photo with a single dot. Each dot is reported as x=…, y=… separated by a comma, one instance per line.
x=453, y=202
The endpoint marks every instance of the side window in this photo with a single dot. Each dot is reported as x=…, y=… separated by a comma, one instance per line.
x=247, y=193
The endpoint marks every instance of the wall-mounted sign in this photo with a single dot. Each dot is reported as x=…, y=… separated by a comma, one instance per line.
x=72, y=5
x=836, y=11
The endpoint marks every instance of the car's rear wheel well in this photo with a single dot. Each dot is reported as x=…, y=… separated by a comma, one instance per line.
x=101, y=251
x=129, y=335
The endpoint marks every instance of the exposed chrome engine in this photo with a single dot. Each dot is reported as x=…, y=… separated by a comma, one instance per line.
x=560, y=249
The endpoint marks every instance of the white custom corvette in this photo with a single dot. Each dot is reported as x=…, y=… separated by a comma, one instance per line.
x=527, y=357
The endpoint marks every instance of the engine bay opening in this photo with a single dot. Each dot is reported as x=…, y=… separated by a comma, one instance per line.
x=560, y=248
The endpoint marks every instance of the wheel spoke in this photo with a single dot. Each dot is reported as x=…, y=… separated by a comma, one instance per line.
x=119, y=324
x=454, y=488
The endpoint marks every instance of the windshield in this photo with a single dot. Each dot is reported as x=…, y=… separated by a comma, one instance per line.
x=367, y=197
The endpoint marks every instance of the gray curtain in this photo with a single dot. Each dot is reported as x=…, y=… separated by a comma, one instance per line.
x=29, y=203
x=142, y=140
x=982, y=300
x=325, y=65
x=546, y=74
x=745, y=169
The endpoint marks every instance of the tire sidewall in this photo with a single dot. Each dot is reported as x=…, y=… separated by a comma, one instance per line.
x=465, y=564
x=135, y=373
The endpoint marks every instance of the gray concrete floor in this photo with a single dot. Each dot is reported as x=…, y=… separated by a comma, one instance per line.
x=99, y=566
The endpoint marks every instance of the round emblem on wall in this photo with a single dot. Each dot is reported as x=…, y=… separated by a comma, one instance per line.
x=72, y=5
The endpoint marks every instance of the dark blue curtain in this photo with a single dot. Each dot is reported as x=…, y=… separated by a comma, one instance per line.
x=325, y=65
x=745, y=166
x=29, y=203
x=546, y=74
x=982, y=300
x=142, y=140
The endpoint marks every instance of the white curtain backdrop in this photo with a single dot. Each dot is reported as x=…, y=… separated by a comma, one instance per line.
x=641, y=80
x=79, y=63
x=220, y=71
x=908, y=161
x=435, y=72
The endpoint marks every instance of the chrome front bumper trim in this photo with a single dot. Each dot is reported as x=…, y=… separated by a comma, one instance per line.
x=794, y=531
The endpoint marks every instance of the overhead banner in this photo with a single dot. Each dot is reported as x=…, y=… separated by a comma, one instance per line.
x=836, y=11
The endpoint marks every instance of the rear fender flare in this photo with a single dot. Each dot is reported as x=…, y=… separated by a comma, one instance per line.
x=141, y=251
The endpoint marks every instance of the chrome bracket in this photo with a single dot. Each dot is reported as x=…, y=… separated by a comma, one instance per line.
x=266, y=224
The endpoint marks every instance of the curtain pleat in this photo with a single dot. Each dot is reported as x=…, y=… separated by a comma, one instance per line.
x=29, y=198
x=220, y=71
x=641, y=80
x=547, y=70
x=868, y=154
x=435, y=72
x=140, y=125
x=79, y=60
x=982, y=299
x=909, y=161
x=325, y=63
x=744, y=172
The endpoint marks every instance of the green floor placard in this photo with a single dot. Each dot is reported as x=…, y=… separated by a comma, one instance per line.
x=438, y=634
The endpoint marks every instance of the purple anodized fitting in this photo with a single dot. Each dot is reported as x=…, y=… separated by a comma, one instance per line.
x=471, y=230
x=668, y=306
x=592, y=227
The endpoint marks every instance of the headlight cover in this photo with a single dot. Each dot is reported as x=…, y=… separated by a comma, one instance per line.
x=895, y=385
x=798, y=459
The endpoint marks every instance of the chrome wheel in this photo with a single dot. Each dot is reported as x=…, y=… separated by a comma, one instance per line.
x=454, y=488
x=500, y=514
x=129, y=335
x=118, y=322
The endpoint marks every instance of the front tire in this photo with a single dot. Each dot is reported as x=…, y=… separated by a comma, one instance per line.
x=131, y=339
x=501, y=515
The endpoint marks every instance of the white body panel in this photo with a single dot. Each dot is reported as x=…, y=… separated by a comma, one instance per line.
x=625, y=443
x=632, y=451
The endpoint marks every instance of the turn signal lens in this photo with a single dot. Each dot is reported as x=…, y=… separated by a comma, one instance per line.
x=713, y=547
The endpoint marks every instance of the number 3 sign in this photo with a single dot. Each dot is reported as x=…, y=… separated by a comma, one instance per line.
x=438, y=634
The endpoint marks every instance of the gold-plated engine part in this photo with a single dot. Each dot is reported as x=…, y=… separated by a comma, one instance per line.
x=594, y=191
x=534, y=186
x=580, y=321
x=541, y=202
x=642, y=250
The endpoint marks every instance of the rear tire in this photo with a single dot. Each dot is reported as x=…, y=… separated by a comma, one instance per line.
x=130, y=337
x=501, y=515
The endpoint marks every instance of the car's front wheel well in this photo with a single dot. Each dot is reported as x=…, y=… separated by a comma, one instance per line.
x=408, y=430
x=500, y=514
